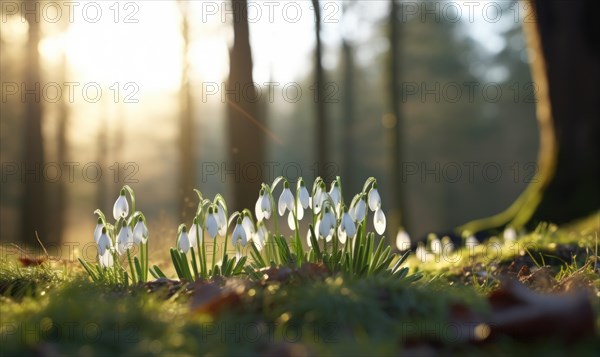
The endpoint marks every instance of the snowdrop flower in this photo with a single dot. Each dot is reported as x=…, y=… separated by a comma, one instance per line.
x=319, y=198
x=359, y=211
x=335, y=194
x=248, y=225
x=303, y=196
x=286, y=199
x=98, y=230
x=510, y=235
x=124, y=239
x=263, y=207
x=183, y=241
x=260, y=236
x=327, y=224
x=347, y=227
x=434, y=244
x=239, y=234
x=471, y=241
x=105, y=257
x=104, y=242
x=221, y=220
x=195, y=233
x=379, y=221
x=106, y=260
x=212, y=223
x=447, y=245
x=140, y=232
x=374, y=198
x=402, y=240
x=121, y=207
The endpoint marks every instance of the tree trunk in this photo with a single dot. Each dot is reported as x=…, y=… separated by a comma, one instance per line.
x=565, y=54
x=245, y=128
x=397, y=219
x=186, y=127
x=569, y=45
x=348, y=167
x=33, y=215
x=321, y=111
x=59, y=210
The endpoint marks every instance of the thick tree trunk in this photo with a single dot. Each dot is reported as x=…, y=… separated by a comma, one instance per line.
x=245, y=127
x=565, y=52
x=33, y=209
x=570, y=47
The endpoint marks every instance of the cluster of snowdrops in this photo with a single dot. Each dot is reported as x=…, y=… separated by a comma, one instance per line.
x=336, y=235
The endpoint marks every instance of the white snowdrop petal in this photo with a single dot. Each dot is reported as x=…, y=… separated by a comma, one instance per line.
x=300, y=212
x=402, y=241
x=121, y=207
x=239, y=234
x=349, y=225
x=258, y=210
x=360, y=211
x=341, y=234
x=265, y=206
x=291, y=221
x=212, y=227
x=98, y=232
x=304, y=197
x=106, y=259
x=374, y=199
x=183, y=242
x=379, y=221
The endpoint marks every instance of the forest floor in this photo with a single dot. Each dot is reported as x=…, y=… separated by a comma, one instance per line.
x=538, y=296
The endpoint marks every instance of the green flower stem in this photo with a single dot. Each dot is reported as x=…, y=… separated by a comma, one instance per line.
x=214, y=255
x=133, y=274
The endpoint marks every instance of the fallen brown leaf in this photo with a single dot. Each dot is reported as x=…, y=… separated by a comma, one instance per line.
x=213, y=297
x=522, y=313
x=31, y=261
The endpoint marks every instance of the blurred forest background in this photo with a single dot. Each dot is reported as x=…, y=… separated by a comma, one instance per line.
x=433, y=99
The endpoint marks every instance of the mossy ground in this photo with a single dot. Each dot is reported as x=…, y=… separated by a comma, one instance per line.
x=54, y=308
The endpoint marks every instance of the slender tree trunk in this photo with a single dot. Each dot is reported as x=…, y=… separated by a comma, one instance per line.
x=395, y=126
x=186, y=127
x=33, y=214
x=60, y=208
x=349, y=141
x=102, y=194
x=321, y=110
x=245, y=127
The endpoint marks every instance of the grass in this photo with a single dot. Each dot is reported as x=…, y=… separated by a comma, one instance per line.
x=55, y=309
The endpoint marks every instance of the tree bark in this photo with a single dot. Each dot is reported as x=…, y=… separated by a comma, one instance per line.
x=186, y=128
x=397, y=219
x=245, y=127
x=564, y=54
x=320, y=105
x=569, y=45
x=348, y=168
x=33, y=216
